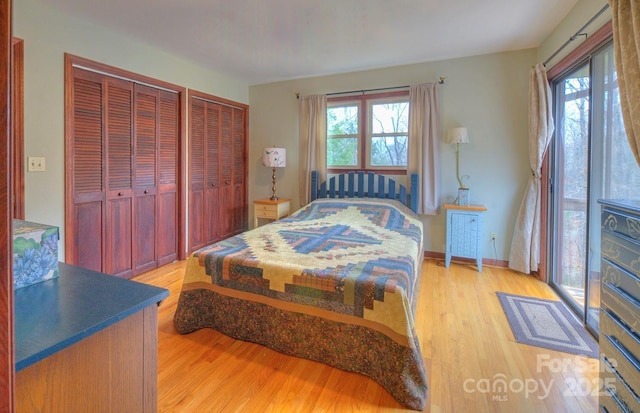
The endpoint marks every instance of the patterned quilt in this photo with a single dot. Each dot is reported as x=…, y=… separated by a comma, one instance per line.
x=335, y=282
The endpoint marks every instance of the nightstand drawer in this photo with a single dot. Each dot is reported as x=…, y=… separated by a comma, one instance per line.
x=266, y=210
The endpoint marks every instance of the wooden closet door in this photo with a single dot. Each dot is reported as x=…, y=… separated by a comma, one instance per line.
x=145, y=176
x=239, y=214
x=118, y=117
x=168, y=161
x=214, y=220
x=85, y=212
x=217, y=179
x=196, y=173
x=226, y=204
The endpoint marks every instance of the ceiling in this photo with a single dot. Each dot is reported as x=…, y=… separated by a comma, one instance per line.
x=262, y=41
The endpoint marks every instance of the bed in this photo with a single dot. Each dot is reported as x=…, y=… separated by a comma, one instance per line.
x=335, y=282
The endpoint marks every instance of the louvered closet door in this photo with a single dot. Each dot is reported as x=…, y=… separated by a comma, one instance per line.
x=145, y=176
x=226, y=171
x=118, y=116
x=168, y=161
x=239, y=171
x=196, y=174
x=215, y=221
x=217, y=192
x=123, y=162
x=86, y=175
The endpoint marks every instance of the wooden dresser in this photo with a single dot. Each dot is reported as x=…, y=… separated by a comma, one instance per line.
x=620, y=306
x=86, y=342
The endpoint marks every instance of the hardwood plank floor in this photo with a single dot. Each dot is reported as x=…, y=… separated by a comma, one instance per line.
x=465, y=338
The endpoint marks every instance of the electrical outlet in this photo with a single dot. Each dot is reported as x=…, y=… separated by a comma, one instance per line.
x=36, y=164
x=492, y=236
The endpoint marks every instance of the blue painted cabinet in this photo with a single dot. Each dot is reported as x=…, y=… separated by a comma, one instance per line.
x=464, y=233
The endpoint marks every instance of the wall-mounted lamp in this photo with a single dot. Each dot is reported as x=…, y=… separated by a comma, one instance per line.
x=274, y=158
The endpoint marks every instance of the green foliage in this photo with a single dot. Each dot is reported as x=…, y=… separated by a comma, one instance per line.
x=21, y=244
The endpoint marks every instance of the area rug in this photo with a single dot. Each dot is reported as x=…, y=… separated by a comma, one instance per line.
x=548, y=324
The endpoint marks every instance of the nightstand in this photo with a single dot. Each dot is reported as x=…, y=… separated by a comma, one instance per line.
x=268, y=209
x=464, y=233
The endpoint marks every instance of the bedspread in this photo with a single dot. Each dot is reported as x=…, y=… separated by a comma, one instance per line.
x=335, y=282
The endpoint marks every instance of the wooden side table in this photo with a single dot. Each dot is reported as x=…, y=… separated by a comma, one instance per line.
x=268, y=209
x=464, y=233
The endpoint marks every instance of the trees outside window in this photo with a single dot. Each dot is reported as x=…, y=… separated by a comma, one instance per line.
x=368, y=132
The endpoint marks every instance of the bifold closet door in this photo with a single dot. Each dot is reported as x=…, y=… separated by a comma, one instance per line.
x=86, y=217
x=197, y=157
x=124, y=156
x=168, y=178
x=155, y=178
x=119, y=194
x=145, y=177
x=217, y=176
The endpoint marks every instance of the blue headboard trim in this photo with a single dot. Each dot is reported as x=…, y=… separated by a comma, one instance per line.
x=365, y=189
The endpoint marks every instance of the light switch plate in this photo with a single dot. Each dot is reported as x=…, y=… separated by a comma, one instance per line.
x=36, y=164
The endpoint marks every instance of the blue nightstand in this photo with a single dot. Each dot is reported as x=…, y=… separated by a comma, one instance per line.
x=464, y=233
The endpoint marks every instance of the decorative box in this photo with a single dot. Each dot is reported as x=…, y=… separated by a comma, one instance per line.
x=35, y=253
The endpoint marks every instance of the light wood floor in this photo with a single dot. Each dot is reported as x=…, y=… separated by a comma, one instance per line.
x=466, y=341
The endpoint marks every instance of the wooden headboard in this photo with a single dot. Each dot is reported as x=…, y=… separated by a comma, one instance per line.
x=365, y=188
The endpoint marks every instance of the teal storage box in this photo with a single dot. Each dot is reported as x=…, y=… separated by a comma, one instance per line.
x=35, y=253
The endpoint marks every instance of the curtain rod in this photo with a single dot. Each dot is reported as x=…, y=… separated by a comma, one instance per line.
x=363, y=91
x=578, y=33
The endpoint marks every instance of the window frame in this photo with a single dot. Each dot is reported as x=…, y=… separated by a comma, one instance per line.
x=364, y=103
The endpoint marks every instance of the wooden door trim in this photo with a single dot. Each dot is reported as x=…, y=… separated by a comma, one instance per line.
x=17, y=111
x=7, y=364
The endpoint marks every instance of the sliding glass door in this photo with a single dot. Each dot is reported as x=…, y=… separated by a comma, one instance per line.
x=591, y=160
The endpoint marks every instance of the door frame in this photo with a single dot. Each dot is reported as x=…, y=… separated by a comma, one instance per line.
x=7, y=363
x=597, y=39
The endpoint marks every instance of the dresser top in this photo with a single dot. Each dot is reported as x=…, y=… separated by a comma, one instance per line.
x=52, y=315
x=465, y=207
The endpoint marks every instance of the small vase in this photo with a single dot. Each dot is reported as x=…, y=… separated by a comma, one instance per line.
x=463, y=196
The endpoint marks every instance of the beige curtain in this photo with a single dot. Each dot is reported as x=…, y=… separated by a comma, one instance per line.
x=525, y=244
x=626, y=43
x=312, y=118
x=424, y=144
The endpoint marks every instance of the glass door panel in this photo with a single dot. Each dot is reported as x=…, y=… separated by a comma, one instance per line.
x=571, y=185
x=614, y=172
x=592, y=160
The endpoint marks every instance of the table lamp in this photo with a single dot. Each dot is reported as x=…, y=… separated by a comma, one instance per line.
x=274, y=158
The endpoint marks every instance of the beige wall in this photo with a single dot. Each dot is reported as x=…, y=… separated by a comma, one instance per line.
x=487, y=94
x=47, y=35
x=581, y=13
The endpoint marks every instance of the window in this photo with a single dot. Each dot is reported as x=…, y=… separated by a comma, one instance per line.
x=368, y=132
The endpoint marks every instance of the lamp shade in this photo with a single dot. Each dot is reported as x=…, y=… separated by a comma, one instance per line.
x=274, y=157
x=458, y=135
